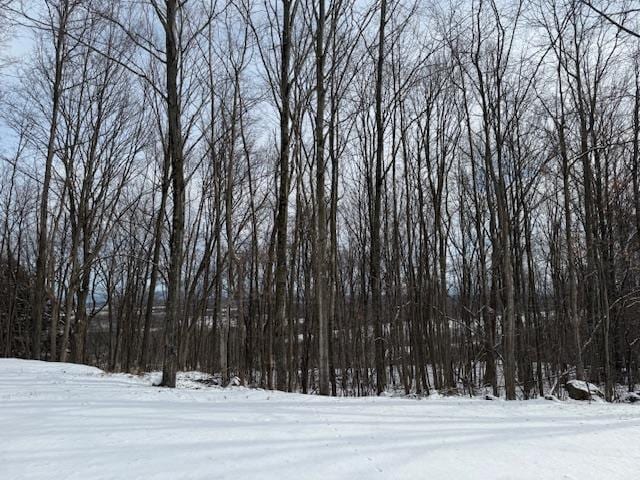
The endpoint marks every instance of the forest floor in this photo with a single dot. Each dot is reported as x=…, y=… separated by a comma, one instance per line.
x=62, y=421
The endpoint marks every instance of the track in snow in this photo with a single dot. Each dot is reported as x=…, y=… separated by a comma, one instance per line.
x=62, y=421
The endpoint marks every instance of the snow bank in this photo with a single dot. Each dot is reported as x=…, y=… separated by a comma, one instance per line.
x=71, y=422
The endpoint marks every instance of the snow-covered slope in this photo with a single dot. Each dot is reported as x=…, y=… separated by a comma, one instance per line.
x=62, y=421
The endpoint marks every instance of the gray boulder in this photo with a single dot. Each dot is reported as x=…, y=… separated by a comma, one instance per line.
x=579, y=390
x=632, y=397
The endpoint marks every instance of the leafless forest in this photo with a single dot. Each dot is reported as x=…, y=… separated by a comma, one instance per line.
x=332, y=196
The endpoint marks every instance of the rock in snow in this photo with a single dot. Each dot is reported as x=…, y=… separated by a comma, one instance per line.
x=632, y=397
x=579, y=390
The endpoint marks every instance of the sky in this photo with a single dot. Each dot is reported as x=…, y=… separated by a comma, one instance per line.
x=18, y=47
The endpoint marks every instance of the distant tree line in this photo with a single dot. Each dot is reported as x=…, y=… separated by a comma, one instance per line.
x=327, y=196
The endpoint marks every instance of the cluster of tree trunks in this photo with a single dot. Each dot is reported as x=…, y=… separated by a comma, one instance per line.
x=450, y=201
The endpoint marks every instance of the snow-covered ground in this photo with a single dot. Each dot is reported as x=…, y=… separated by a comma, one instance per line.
x=62, y=421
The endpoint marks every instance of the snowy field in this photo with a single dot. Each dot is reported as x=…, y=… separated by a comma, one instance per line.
x=62, y=421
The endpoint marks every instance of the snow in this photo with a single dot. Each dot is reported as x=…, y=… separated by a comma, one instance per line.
x=581, y=385
x=67, y=421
